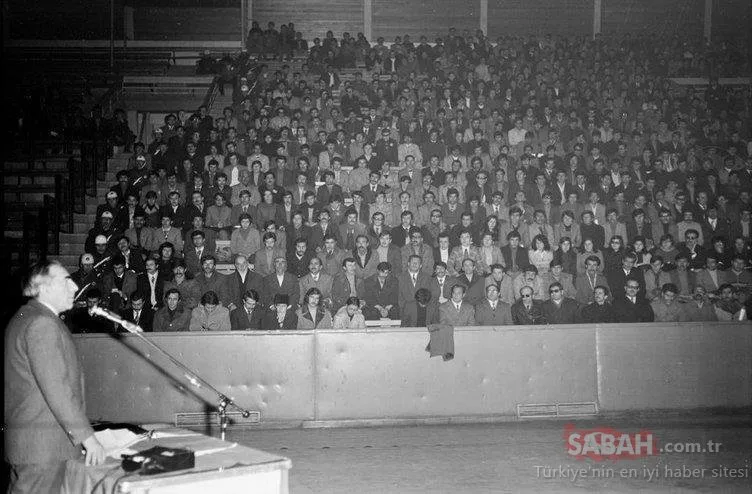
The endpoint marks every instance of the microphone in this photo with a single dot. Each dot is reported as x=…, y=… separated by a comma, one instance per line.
x=129, y=326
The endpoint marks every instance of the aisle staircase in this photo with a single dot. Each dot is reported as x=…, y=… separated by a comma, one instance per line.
x=72, y=244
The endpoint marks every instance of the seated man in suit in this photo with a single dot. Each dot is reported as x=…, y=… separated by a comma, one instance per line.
x=457, y=311
x=710, y=278
x=441, y=283
x=249, y=315
x=316, y=278
x=515, y=256
x=655, y=278
x=419, y=248
x=151, y=284
x=503, y=283
x=209, y=279
x=194, y=255
x=281, y=281
x=587, y=282
x=381, y=293
x=118, y=285
x=421, y=312
x=133, y=260
x=632, y=307
x=346, y=284
x=556, y=274
x=559, y=309
x=351, y=230
x=411, y=280
x=263, y=259
x=474, y=283
x=80, y=320
x=492, y=311
x=139, y=313
x=241, y=281
x=527, y=310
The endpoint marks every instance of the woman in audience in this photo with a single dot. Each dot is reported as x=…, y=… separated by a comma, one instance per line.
x=567, y=257
x=312, y=314
x=166, y=259
x=491, y=227
x=613, y=255
x=540, y=254
x=349, y=316
x=642, y=256
x=588, y=249
x=721, y=252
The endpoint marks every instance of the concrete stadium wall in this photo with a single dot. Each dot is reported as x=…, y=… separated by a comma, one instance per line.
x=329, y=376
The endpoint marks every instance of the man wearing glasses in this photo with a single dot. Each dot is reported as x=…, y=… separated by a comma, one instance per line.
x=527, y=311
x=617, y=278
x=559, y=309
x=632, y=307
x=692, y=249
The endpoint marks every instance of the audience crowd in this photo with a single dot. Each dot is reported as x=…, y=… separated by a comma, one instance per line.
x=534, y=181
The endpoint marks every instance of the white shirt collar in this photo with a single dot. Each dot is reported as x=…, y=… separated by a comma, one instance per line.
x=48, y=306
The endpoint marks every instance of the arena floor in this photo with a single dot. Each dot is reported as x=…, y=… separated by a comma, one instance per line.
x=506, y=457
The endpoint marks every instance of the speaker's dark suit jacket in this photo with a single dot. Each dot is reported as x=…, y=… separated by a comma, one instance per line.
x=45, y=414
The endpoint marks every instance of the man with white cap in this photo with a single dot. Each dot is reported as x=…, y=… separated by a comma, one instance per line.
x=105, y=227
x=111, y=205
x=85, y=274
x=101, y=248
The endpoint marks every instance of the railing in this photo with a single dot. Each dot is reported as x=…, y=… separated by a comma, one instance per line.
x=211, y=94
x=108, y=100
x=41, y=228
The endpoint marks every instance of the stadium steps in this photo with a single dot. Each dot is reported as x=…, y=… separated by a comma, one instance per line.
x=72, y=244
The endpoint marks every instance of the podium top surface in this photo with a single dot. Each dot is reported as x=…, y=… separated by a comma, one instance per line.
x=215, y=459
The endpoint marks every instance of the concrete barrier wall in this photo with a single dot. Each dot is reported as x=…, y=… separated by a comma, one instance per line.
x=302, y=376
x=128, y=380
x=674, y=366
x=388, y=374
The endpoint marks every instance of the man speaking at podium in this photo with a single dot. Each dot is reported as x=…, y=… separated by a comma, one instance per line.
x=45, y=416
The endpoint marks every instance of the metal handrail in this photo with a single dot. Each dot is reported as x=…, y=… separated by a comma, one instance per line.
x=211, y=94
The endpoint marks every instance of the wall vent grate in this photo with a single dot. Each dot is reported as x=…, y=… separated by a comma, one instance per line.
x=553, y=410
